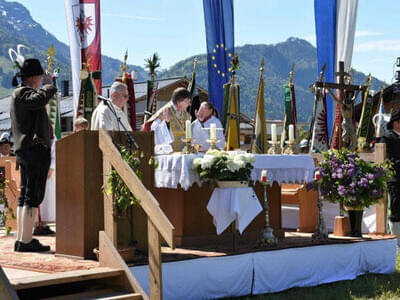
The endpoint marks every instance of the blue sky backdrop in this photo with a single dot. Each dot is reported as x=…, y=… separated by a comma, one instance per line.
x=175, y=28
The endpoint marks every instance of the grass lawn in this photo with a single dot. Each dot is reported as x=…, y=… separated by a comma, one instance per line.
x=371, y=286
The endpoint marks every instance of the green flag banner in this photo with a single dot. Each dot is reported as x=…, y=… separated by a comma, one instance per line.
x=261, y=141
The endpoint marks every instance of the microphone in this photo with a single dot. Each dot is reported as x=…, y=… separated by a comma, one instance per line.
x=129, y=136
x=106, y=100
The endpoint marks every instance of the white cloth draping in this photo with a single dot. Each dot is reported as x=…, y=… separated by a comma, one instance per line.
x=104, y=118
x=162, y=135
x=233, y=204
x=48, y=206
x=201, y=133
x=177, y=169
x=284, y=168
x=270, y=271
x=202, y=278
x=276, y=271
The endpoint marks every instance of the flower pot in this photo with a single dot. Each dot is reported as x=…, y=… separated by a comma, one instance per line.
x=231, y=184
x=355, y=217
x=127, y=253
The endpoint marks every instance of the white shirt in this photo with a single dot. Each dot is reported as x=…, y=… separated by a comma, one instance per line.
x=104, y=118
x=201, y=133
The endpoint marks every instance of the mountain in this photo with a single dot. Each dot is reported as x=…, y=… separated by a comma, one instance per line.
x=279, y=59
x=18, y=27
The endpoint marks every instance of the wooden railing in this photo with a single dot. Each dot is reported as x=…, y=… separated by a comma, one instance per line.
x=157, y=222
x=381, y=208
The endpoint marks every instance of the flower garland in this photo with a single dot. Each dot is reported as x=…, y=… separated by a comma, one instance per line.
x=6, y=211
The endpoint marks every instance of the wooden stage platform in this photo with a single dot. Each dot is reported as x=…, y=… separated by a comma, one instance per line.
x=293, y=252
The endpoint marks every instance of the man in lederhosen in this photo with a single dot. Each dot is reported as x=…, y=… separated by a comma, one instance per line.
x=31, y=131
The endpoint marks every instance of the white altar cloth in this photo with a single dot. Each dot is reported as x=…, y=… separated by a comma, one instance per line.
x=177, y=169
x=233, y=204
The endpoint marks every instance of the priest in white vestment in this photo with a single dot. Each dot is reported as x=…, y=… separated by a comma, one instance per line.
x=106, y=115
x=168, y=123
x=201, y=127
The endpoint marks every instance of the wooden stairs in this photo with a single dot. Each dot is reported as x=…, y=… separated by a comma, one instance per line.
x=113, y=280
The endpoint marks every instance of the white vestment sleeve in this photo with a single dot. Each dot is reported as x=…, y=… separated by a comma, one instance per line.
x=161, y=133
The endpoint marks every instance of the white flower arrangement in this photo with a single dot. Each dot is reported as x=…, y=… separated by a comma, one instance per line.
x=224, y=165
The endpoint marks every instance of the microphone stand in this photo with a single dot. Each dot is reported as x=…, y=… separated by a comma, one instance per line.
x=131, y=140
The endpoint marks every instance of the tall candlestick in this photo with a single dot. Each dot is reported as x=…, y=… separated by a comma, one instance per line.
x=291, y=133
x=188, y=129
x=273, y=132
x=213, y=131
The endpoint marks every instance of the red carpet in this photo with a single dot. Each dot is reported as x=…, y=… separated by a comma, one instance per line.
x=40, y=262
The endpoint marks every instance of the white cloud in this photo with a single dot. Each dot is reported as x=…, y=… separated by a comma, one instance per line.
x=377, y=45
x=364, y=33
x=142, y=18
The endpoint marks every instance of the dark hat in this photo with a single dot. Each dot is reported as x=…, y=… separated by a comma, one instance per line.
x=30, y=67
x=5, y=138
x=395, y=116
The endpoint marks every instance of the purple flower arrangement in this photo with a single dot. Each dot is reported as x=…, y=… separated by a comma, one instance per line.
x=346, y=178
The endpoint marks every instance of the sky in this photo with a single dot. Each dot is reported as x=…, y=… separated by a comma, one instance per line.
x=175, y=28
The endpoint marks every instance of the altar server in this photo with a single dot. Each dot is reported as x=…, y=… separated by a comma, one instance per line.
x=5, y=145
x=31, y=131
x=201, y=127
x=168, y=123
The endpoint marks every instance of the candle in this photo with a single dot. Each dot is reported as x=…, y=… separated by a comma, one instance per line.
x=291, y=133
x=379, y=130
x=273, y=132
x=264, y=175
x=213, y=131
x=317, y=175
x=188, y=129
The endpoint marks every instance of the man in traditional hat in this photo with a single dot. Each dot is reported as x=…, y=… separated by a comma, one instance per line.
x=31, y=131
x=5, y=145
x=392, y=140
x=168, y=123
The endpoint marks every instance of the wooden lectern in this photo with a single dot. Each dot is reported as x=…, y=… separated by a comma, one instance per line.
x=79, y=181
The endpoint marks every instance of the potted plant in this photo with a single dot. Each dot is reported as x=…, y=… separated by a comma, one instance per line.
x=225, y=168
x=347, y=179
x=124, y=201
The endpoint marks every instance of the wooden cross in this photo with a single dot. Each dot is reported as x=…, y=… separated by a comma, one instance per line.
x=344, y=108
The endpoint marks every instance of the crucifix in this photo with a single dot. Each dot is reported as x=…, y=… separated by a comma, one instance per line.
x=344, y=135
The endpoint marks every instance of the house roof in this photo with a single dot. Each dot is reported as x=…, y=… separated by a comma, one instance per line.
x=66, y=103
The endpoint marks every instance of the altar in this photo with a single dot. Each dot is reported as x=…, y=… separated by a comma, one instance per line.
x=184, y=198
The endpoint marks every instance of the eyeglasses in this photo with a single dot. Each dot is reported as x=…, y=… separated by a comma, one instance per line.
x=125, y=95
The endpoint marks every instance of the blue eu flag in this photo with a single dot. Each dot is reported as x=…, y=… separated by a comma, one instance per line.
x=218, y=17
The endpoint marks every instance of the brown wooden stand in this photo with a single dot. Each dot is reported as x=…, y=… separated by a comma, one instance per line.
x=79, y=205
x=341, y=226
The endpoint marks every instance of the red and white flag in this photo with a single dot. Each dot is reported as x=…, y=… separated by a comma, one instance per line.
x=83, y=23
